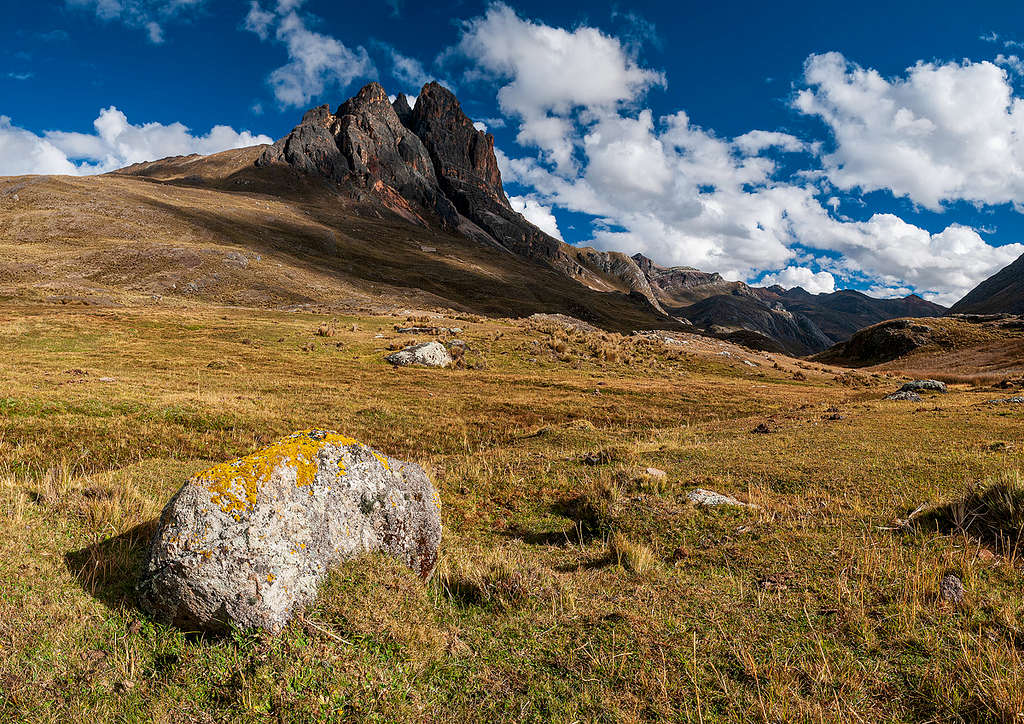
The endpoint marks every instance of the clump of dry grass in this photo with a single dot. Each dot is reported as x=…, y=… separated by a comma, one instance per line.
x=631, y=555
x=326, y=329
x=992, y=512
x=596, y=509
x=500, y=577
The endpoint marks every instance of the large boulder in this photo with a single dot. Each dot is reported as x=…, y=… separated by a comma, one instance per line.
x=428, y=354
x=248, y=542
x=924, y=385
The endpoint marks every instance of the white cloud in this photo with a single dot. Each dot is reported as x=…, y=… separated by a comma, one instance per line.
x=800, y=276
x=147, y=15
x=115, y=143
x=408, y=70
x=552, y=72
x=1012, y=63
x=316, y=62
x=680, y=194
x=940, y=133
x=537, y=214
x=753, y=142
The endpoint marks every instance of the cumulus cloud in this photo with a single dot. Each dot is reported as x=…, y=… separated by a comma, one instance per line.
x=316, y=62
x=800, y=276
x=594, y=71
x=939, y=133
x=114, y=144
x=147, y=15
x=537, y=214
x=677, y=192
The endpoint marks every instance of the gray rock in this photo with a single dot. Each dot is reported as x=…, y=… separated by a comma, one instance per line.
x=656, y=473
x=906, y=396
x=1015, y=400
x=924, y=385
x=428, y=354
x=249, y=541
x=699, y=496
x=951, y=589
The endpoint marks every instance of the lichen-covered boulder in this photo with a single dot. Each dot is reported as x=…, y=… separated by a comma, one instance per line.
x=904, y=395
x=924, y=385
x=428, y=354
x=249, y=541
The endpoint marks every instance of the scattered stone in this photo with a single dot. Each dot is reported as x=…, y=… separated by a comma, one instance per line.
x=456, y=343
x=455, y=330
x=428, y=249
x=904, y=396
x=428, y=354
x=833, y=416
x=699, y=496
x=107, y=379
x=951, y=589
x=1015, y=400
x=924, y=385
x=417, y=330
x=762, y=429
x=249, y=541
x=656, y=473
x=601, y=457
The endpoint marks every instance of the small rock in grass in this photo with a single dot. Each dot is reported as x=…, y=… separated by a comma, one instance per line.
x=905, y=396
x=699, y=496
x=1015, y=400
x=249, y=542
x=656, y=473
x=924, y=385
x=428, y=354
x=763, y=429
x=951, y=589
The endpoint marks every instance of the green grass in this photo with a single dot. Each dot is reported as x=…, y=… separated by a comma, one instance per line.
x=566, y=591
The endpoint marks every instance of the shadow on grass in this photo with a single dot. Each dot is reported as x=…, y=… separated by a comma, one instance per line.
x=109, y=570
x=993, y=514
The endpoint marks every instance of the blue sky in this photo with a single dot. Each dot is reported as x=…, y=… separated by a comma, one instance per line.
x=878, y=146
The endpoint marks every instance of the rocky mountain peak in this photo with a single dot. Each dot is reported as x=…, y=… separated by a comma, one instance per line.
x=463, y=155
x=402, y=109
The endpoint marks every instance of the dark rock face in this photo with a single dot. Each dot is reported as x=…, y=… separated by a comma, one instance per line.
x=1001, y=293
x=366, y=145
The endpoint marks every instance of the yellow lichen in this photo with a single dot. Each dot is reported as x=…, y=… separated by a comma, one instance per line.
x=235, y=485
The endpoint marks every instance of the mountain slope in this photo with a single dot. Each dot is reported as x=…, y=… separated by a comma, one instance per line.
x=218, y=229
x=1001, y=293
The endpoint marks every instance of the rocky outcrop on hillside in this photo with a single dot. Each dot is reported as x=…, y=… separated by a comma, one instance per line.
x=427, y=163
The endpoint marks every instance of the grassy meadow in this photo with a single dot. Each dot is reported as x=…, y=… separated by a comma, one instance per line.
x=572, y=586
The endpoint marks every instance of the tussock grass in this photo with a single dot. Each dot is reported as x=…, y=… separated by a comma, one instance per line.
x=992, y=511
x=631, y=555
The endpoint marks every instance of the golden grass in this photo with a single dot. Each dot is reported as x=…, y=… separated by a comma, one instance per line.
x=571, y=586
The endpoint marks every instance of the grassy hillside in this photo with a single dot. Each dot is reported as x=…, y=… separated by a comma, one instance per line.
x=567, y=591
x=977, y=349
x=215, y=229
